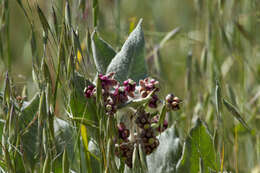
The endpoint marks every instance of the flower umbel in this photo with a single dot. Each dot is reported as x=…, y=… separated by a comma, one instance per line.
x=145, y=125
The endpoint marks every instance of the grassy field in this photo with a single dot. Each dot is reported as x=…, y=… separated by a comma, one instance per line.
x=205, y=52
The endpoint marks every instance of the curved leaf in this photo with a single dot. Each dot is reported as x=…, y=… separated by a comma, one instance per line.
x=103, y=53
x=130, y=62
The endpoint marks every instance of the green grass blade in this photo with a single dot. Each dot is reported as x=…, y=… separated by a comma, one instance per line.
x=234, y=111
x=65, y=162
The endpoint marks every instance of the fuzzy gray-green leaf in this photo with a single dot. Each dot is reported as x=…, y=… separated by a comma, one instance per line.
x=130, y=62
x=166, y=156
x=103, y=53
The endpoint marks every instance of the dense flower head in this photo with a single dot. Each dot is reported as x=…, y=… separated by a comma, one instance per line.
x=129, y=87
x=143, y=119
x=119, y=95
x=148, y=85
x=107, y=81
x=172, y=102
x=149, y=141
x=123, y=132
x=125, y=151
x=124, y=148
x=89, y=91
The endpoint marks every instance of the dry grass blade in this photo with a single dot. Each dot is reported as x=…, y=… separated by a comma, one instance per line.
x=169, y=36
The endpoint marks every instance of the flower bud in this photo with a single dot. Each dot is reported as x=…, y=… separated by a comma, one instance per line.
x=151, y=140
x=108, y=108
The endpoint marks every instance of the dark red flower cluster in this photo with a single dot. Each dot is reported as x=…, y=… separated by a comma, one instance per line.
x=129, y=87
x=149, y=141
x=89, y=91
x=172, y=102
x=123, y=132
x=107, y=81
x=147, y=135
x=148, y=85
x=113, y=94
x=143, y=119
x=124, y=149
x=146, y=127
x=120, y=95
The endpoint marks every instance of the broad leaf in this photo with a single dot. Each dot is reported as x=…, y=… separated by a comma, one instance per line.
x=198, y=147
x=103, y=53
x=166, y=156
x=130, y=62
x=65, y=139
x=80, y=106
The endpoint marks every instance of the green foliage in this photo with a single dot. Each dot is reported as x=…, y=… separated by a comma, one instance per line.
x=103, y=53
x=198, y=151
x=78, y=105
x=233, y=110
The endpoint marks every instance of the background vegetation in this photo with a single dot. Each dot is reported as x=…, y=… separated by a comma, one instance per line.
x=206, y=52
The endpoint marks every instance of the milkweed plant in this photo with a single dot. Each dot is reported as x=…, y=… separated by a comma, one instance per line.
x=91, y=108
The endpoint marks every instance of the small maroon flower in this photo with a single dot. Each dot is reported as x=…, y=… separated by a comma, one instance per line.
x=107, y=81
x=153, y=102
x=110, y=109
x=119, y=95
x=147, y=86
x=129, y=87
x=89, y=91
x=123, y=132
